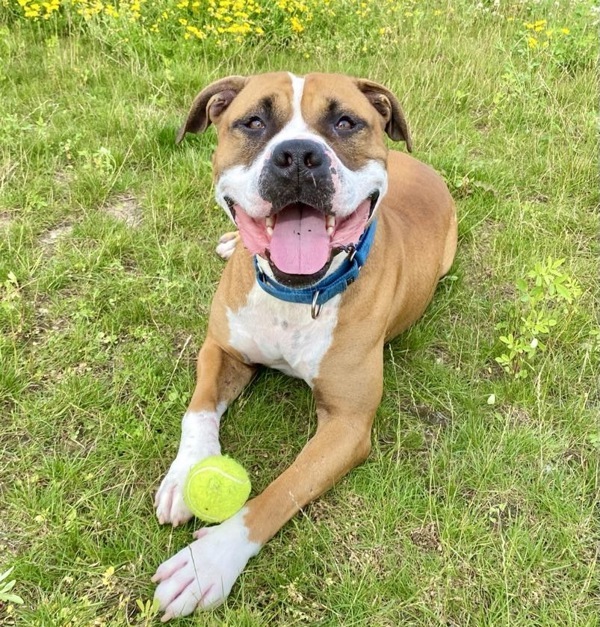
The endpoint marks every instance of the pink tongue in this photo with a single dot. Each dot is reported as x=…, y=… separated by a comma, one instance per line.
x=300, y=244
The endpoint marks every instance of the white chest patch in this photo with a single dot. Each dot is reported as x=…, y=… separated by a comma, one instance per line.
x=282, y=335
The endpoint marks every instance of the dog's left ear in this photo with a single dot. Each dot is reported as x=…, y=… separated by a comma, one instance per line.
x=388, y=107
x=210, y=103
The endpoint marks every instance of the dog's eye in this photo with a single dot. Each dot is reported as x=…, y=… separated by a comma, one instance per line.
x=345, y=124
x=254, y=124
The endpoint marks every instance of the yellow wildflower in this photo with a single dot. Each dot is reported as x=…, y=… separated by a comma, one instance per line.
x=193, y=31
x=110, y=10
x=296, y=25
x=50, y=8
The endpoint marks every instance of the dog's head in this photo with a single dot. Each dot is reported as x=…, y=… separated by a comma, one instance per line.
x=300, y=166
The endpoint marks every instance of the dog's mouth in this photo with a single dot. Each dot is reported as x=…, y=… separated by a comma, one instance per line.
x=300, y=241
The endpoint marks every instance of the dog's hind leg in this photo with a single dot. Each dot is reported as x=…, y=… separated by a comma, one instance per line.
x=220, y=379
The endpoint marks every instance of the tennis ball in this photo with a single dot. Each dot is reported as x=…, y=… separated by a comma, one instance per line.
x=216, y=488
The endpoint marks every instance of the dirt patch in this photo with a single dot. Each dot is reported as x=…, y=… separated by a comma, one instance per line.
x=64, y=177
x=427, y=538
x=5, y=221
x=500, y=515
x=430, y=416
x=53, y=236
x=125, y=208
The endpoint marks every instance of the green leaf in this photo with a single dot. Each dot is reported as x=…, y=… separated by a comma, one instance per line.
x=564, y=292
x=5, y=574
x=13, y=598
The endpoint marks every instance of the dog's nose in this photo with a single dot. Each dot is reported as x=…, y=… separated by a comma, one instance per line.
x=295, y=157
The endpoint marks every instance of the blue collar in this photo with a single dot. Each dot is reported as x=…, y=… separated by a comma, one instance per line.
x=331, y=285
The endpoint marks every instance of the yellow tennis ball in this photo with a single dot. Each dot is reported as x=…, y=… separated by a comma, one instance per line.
x=216, y=488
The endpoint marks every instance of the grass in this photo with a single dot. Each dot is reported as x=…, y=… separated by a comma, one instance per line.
x=479, y=503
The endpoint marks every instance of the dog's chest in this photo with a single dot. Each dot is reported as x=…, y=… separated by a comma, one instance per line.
x=282, y=335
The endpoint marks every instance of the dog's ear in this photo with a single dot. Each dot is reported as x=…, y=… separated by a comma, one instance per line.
x=388, y=107
x=210, y=103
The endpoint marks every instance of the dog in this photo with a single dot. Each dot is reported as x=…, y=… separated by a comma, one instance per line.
x=341, y=245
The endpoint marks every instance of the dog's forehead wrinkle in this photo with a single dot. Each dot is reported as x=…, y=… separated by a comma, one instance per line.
x=267, y=102
x=334, y=105
x=265, y=105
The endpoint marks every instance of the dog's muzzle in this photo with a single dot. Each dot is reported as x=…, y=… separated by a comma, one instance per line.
x=302, y=231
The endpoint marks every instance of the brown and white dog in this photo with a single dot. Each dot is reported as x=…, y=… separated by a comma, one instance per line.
x=302, y=169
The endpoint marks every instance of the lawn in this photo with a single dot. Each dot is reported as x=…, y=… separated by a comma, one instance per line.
x=479, y=504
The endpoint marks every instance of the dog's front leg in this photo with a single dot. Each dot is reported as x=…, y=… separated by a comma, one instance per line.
x=220, y=378
x=345, y=410
x=203, y=573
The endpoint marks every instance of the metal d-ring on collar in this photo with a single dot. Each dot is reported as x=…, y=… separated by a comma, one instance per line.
x=315, y=308
x=328, y=287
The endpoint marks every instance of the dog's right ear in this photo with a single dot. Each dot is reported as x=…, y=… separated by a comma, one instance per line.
x=210, y=103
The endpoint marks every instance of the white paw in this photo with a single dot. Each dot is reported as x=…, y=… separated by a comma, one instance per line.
x=199, y=440
x=169, y=503
x=227, y=244
x=203, y=573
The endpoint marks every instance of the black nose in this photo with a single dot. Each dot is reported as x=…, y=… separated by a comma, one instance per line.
x=298, y=171
x=297, y=157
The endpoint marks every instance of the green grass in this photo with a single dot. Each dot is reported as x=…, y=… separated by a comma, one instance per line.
x=479, y=503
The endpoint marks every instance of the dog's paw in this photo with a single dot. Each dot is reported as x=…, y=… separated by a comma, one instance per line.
x=169, y=503
x=227, y=244
x=202, y=574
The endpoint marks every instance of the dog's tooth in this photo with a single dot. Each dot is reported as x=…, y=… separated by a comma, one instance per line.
x=330, y=224
x=270, y=223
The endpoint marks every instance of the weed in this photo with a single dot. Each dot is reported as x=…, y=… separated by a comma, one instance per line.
x=547, y=296
x=148, y=610
x=6, y=596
